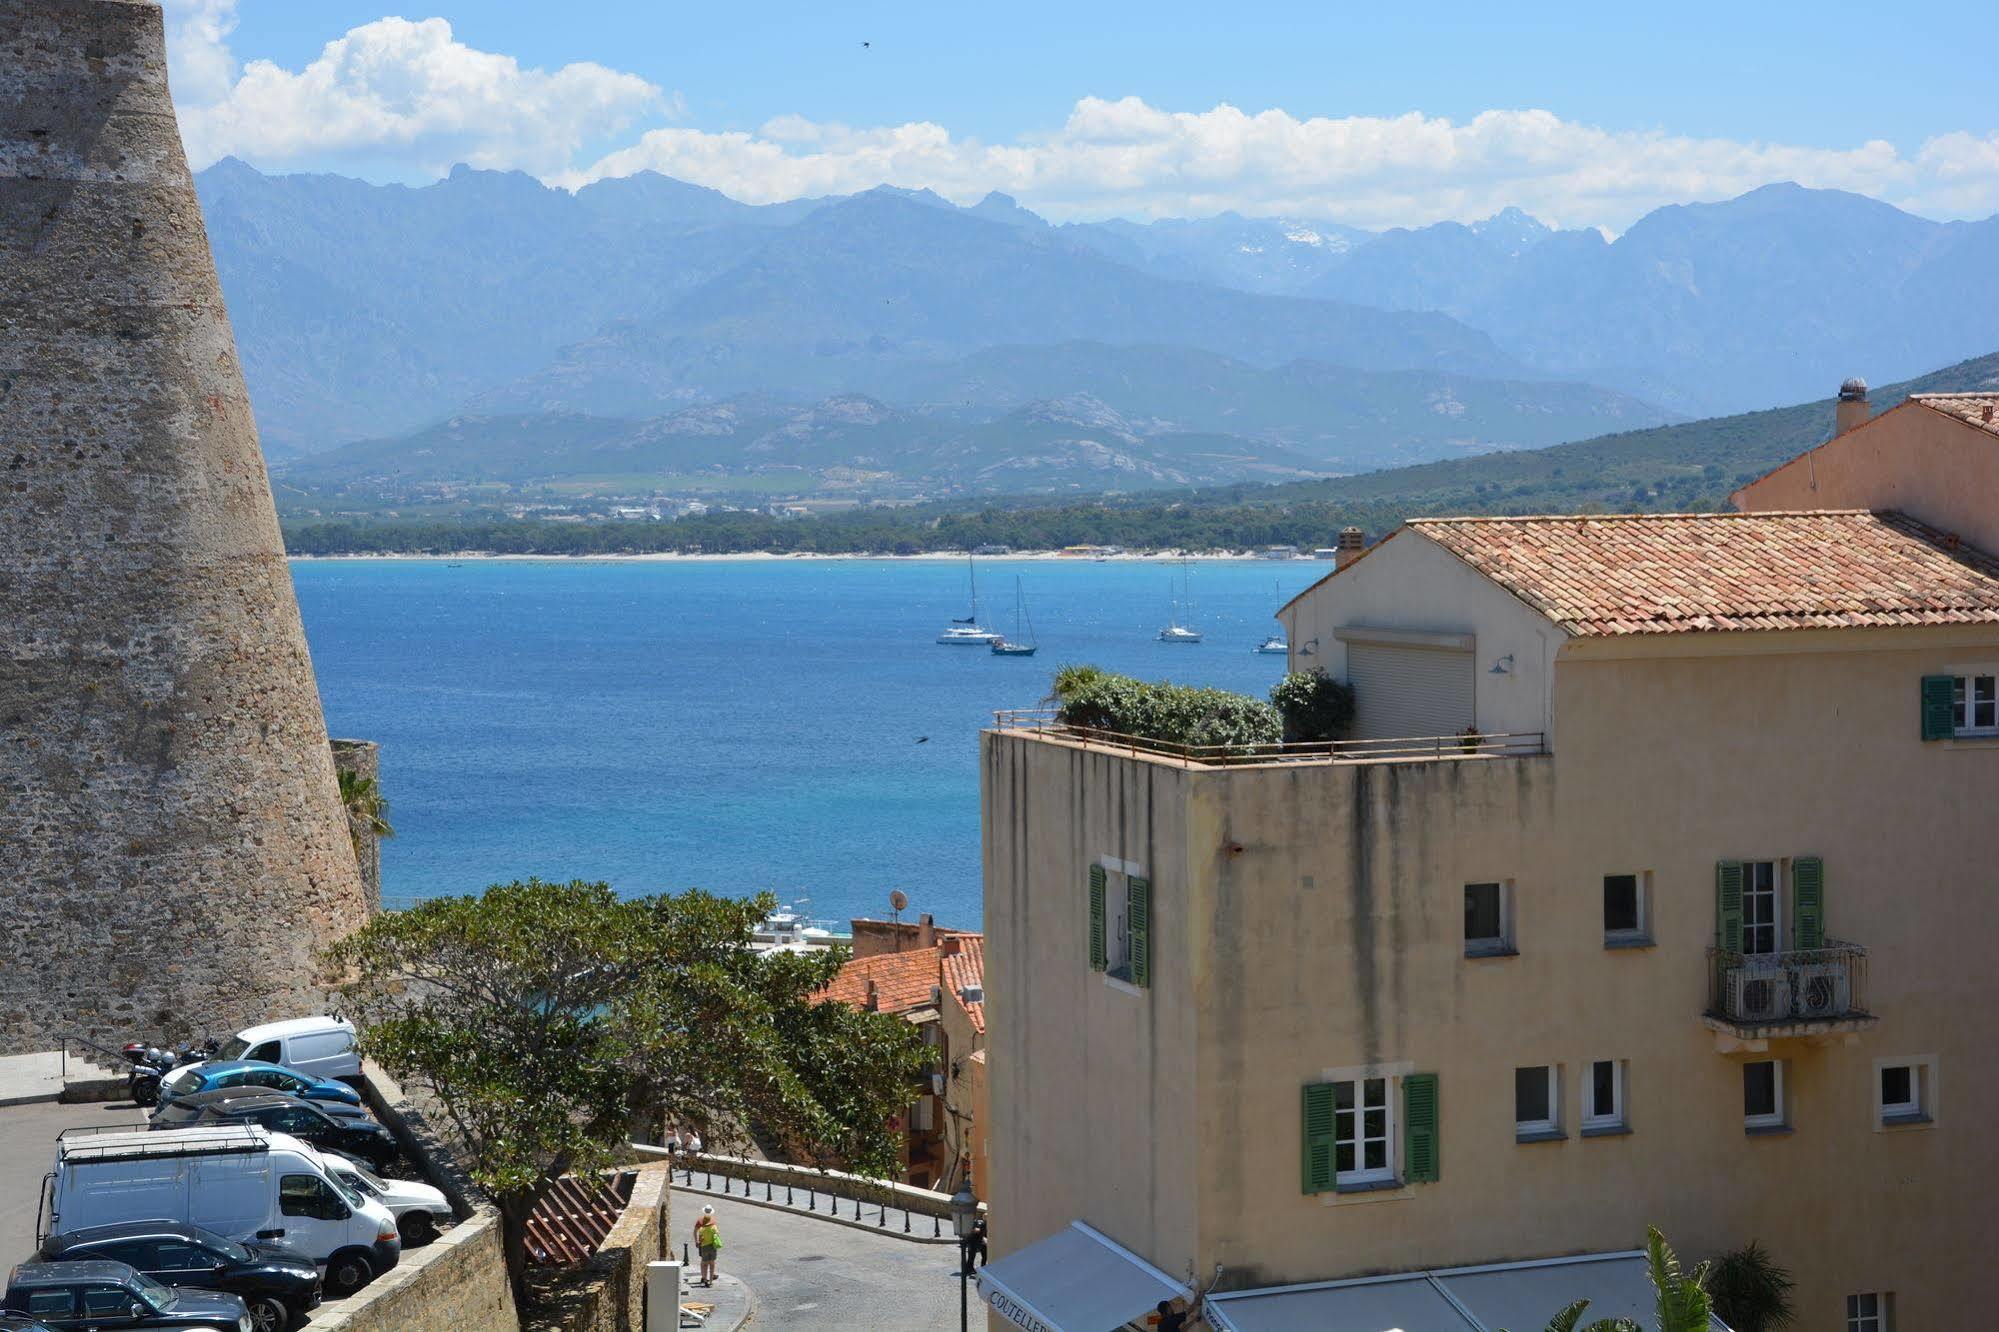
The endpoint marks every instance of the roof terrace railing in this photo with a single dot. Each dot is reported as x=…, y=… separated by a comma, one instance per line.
x=1470, y=745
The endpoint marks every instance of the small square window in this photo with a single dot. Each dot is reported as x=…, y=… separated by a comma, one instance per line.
x=1902, y=1092
x=1763, y=1094
x=1624, y=910
x=1872, y=1312
x=1603, y=1097
x=1488, y=919
x=1536, y=1102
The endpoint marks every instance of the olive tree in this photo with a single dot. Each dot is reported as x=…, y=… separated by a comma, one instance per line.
x=547, y=1022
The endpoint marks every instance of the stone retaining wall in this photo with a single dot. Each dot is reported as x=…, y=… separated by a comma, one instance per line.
x=456, y=1283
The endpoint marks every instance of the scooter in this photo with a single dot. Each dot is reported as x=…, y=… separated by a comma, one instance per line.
x=150, y=1063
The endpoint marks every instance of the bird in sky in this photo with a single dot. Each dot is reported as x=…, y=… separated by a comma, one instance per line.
x=922, y=739
x=866, y=45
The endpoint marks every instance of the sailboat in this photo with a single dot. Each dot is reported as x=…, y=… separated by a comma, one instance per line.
x=1017, y=646
x=1176, y=632
x=1274, y=646
x=968, y=632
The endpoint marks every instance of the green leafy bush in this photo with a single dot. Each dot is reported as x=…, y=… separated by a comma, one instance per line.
x=1170, y=713
x=1314, y=705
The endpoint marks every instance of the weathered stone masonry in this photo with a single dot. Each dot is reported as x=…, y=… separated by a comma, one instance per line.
x=172, y=848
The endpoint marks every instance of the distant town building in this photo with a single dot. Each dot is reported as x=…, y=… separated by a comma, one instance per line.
x=1652, y=889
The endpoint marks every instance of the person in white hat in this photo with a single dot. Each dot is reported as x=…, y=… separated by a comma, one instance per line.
x=708, y=1243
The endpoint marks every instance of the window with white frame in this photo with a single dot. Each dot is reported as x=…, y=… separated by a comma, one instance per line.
x=1902, y=1091
x=1763, y=1094
x=1488, y=919
x=1762, y=916
x=1624, y=918
x=1871, y=1312
x=1603, y=1096
x=1975, y=699
x=1536, y=1102
x=1363, y=1132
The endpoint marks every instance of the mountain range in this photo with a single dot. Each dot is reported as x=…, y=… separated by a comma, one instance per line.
x=1208, y=349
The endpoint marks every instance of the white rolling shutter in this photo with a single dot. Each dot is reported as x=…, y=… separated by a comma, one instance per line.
x=1408, y=691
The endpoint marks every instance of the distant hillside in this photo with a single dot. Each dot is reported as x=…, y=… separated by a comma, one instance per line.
x=1678, y=467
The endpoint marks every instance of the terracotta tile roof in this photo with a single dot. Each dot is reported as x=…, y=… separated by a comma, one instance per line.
x=902, y=981
x=1702, y=572
x=1980, y=409
x=968, y=968
x=574, y=1216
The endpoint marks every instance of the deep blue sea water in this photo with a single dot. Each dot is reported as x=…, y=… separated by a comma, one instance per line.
x=736, y=725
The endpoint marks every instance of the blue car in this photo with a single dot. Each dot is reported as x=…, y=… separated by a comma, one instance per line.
x=216, y=1074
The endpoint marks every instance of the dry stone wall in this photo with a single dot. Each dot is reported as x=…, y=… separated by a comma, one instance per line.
x=172, y=848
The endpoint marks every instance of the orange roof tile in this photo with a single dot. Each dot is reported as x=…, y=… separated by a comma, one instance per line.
x=1703, y=572
x=902, y=981
x=1980, y=409
x=966, y=969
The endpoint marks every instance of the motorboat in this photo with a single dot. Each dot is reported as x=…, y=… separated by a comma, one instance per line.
x=1274, y=646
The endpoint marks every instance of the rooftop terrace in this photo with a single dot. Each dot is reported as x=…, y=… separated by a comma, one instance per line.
x=1044, y=724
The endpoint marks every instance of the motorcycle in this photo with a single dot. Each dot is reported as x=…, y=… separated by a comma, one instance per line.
x=151, y=1063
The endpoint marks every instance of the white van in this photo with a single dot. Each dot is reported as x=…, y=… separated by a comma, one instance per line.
x=241, y=1182
x=321, y=1046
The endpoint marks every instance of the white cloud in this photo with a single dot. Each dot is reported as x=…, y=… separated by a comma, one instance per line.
x=408, y=98
x=397, y=90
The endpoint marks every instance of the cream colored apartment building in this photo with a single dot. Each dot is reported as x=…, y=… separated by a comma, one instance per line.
x=1665, y=895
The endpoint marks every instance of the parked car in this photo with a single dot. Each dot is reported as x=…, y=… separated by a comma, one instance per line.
x=242, y=1182
x=417, y=1207
x=215, y=1074
x=21, y=1323
x=356, y=1135
x=321, y=1046
x=107, y=1295
x=277, y=1283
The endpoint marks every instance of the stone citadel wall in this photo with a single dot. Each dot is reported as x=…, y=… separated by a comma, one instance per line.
x=172, y=847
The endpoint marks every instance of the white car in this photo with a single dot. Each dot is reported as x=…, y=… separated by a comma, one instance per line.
x=417, y=1207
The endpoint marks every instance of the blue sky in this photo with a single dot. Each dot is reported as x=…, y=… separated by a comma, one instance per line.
x=1643, y=104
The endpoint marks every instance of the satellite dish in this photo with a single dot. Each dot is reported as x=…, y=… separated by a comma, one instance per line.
x=897, y=899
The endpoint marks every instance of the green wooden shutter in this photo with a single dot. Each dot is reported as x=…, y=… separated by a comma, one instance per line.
x=1728, y=906
x=1939, y=707
x=1139, y=917
x=1808, y=902
x=1099, y=959
x=1419, y=1121
x=1318, y=1138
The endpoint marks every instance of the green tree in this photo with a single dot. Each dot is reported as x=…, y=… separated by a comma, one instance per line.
x=549, y=1022
x=1314, y=705
x=1682, y=1300
x=367, y=811
x=1751, y=1292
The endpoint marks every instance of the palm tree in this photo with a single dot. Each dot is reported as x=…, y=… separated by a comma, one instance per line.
x=1683, y=1300
x=1751, y=1292
x=367, y=811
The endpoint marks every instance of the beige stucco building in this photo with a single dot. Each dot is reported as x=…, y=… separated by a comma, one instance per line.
x=1692, y=929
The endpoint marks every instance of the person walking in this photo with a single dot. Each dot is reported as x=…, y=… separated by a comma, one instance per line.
x=708, y=1243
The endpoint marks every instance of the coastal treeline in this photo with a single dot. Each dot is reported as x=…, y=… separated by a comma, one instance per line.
x=912, y=530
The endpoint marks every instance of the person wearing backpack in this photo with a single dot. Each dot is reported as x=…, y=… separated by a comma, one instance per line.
x=708, y=1243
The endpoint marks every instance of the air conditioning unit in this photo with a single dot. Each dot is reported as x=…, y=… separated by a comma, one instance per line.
x=1758, y=993
x=1822, y=990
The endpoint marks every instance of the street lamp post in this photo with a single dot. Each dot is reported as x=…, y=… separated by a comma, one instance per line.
x=965, y=1220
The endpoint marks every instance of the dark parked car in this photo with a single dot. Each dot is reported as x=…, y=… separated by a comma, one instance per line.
x=214, y=1074
x=276, y=1281
x=108, y=1295
x=356, y=1135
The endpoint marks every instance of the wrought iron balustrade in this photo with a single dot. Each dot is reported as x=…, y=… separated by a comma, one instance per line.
x=1805, y=985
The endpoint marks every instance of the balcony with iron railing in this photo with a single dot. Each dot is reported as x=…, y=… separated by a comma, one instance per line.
x=1817, y=994
x=1046, y=723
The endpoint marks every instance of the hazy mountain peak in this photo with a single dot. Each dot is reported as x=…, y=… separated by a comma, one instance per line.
x=1004, y=208
x=1512, y=230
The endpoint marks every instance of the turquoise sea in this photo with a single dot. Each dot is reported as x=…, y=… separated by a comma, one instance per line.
x=737, y=725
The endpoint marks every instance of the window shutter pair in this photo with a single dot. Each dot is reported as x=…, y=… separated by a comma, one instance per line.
x=1099, y=954
x=1421, y=1156
x=1807, y=904
x=1939, y=707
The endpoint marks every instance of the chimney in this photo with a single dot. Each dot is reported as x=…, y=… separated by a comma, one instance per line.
x=1852, y=409
x=926, y=930
x=873, y=1001
x=1352, y=542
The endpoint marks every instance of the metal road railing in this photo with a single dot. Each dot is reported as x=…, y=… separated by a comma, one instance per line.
x=1471, y=745
x=1804, y=985
x=901, y=1210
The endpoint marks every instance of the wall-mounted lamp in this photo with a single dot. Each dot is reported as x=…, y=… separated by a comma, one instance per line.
x=1504, y=666
x=1310, y=649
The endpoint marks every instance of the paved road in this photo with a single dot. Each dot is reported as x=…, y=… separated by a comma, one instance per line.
x=28, y=1152
x=808, y=1273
